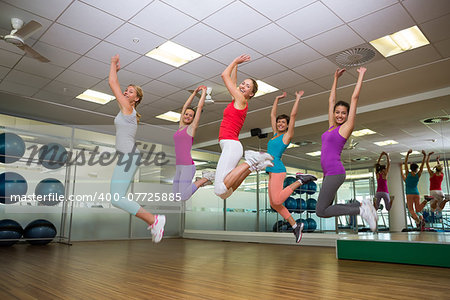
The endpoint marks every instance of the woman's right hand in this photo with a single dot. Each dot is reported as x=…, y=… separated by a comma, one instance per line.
x=409, y=151
x=281, y=96
x=200, y=88
x=116, y=61
x=242, y=58
x=339, y=73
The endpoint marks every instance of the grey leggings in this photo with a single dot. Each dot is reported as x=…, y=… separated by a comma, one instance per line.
x=325, y=207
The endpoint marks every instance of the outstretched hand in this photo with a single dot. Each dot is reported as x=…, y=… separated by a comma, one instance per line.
x=116, y=61
x=431, y=153
x=339, y=73
x=361, y=70
x=200, y=88
x=242, y=58
x=299, y=94
x=424, y=153
x=281, y=96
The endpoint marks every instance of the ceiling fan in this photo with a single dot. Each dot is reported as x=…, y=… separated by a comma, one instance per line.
x=21, y=33
x=209, y=99
x=352, y=145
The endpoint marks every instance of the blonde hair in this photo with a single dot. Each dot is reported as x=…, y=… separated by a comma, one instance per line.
x=140, y=94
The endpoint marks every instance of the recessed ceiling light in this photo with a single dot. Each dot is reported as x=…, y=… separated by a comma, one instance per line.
x=96, y=97
x=412, y=153
x=436, y=120
x=264, y=88
x=170, y=116
x=385, y=143
x=400, y=41
x=363, y=132
x=135, y=40
x=292, y=145
x=173, y=54
x=316, y=153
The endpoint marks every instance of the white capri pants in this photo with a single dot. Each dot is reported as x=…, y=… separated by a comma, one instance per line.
x=232, y=152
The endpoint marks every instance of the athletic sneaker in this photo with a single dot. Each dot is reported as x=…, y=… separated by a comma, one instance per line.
x=255, y=157
x=369, y=214
x=263, y=165
x=428, y=198
x=210, y=175
x=298, y=232
x=157, y=228
x=305, y=178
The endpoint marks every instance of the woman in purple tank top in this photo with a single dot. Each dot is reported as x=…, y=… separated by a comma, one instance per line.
x=341, y=119
x=381, y=172
x=183, y=138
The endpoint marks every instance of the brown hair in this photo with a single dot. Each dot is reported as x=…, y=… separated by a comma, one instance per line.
x=342, y=103
x=140, y=94
x=255, y=87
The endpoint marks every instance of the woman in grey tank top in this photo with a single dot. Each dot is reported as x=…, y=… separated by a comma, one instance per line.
x=126, y=127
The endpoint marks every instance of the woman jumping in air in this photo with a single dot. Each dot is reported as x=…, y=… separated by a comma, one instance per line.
x=341, y=120
x=183, y=138
x=283, y=128
x=411, y=180
x=229, y=175
x=436, y=179
x=382, y=189
x=126, y=123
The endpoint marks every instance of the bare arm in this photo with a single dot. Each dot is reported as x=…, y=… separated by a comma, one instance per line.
x=428, y=164
x=201, y=102
x=423, y=162
x=388, y=162
x=332, y=99
x=188, y=103
x=291, y=126
x=227, y=79
x=405, y=165
x=273, y=113
x=347, y=127
x=234, y=75
x=124, y=105
x=379, y=158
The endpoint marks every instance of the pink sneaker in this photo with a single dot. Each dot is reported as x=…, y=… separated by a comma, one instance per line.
x=157, y=228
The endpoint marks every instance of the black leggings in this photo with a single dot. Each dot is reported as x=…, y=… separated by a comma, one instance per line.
x=325, y=207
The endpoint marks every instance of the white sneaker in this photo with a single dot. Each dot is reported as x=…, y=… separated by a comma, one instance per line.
x=255, y=157
x=369, y=214
x=210, y=175
x=263, y=165
x=157, y=228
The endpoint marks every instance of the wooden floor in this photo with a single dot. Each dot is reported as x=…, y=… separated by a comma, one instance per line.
x=193, y=269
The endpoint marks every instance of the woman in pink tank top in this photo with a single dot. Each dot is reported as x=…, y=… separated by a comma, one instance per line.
x=183, y=138
x=229, y=175
x=381, y=172
x=436, y=178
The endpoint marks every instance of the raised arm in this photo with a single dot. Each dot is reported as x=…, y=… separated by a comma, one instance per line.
x=291, y=126
x=379, y=158
x=228, y=80
x=332, y=99
x=350, y=123
x=423, y=162
x=428, y=164
x=122, y=101
x=273, y=113
x=201, y=102
x=405, y=165
x=188, y=103
x=234, y=75
x=388, y=162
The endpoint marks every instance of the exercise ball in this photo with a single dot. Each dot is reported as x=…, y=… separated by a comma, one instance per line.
x=40, y=229
x=52, y=156
x=291, y=203
x=311, y=188
x=10, y=229
x=12, y=147
x=50, y=189
x=305, y=224
x=277, y=226
x=302, y=205
x=289, y=180
x=303, y=188
x=311, y=204
x=380, y=207
x=312, y=225
x=12, y=183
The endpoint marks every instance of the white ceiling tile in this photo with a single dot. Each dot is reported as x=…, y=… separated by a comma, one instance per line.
x=423, y=11
x=3, y=71
x=149, y=67
x=103, y=86
x=91, y=67
x=335, y=40
x=104, y=51
x=89, y=20
x=8, y=11
x=65, y=90
x=277, y=36
x=27, y=79
x=310, y=89
x=160, y=88
x=261, y=68
x=236, y=20
x=16, y=88
x=119, y=8
x=437, y=29
x=69, y=39
x=285, y=79
x=349, y=10
x=36, y=67
x=227, y=53
x=110, y=108
x=49, y=9
x=83, y=104
x=180, y=78
x=201, y=38
x=126, y=77
x=383, y=22
x=198, y=9
x=53, y=97
x=375, y=69
x=155, y=18
x=414, y=57
x=316, y=69
x=204, y=67
x=326, y=82
x=444, y=48
x=274, y=9
x=295, y=55
x=8, y=59
x=180, y=98
x=57, y=56
x=124, y=36
x=303, y=23
x=166, y=104
x=219, y=81
x=78, y=79
x=209, y=116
